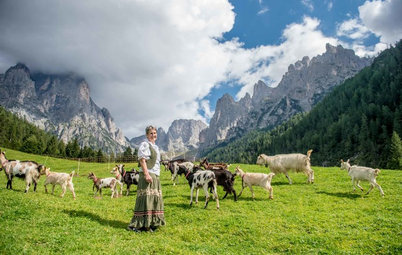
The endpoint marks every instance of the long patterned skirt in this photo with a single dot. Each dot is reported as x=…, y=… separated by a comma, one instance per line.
x=148, y=210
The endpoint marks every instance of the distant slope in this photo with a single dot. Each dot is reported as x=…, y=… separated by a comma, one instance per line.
x=356, y=120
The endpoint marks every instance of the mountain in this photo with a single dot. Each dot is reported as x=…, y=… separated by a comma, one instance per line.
x=182, y=137
x=304, y=84
x=60, y=104
x=359, y=119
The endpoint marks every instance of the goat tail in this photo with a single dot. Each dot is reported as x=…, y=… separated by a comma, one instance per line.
x=270, y=176
x=309, y=153
x=72, y=174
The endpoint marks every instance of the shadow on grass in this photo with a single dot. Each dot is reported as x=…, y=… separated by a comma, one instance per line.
x=179, y=205
x=287, y=183
x=94, y=217
x=340, y=194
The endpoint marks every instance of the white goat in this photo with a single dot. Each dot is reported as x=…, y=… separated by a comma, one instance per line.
x=179, y=169
x=119, y=177
x=63, y=179
x=282, y=163
x=28, y=170
x=255, y=179
x=361, y=173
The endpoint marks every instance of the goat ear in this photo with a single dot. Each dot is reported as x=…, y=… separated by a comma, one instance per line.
x=348, y=160
x=341, y=160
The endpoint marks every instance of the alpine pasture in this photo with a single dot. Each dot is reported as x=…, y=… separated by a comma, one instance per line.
x=325, y=217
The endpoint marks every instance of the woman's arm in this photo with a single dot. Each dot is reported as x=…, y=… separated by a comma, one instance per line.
x=143, y=164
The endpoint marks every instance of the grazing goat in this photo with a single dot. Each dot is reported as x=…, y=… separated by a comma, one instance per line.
x=126, y=177
x=202, y=179
x=28, y=170
x=361, y=173
x=103, y=183
x=255, y=179
x=170, y=164
x=282, y=163
x=63, y=179
x=226, y=179
x=213, y=166
x=179, y=169
x=165, y=163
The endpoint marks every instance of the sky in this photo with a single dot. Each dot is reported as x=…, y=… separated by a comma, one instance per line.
x=154, y=61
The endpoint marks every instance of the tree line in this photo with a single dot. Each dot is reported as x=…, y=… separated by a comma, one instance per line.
x=360, y=119
x=18, y=134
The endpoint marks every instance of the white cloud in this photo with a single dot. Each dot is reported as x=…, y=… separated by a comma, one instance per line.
x=353, y=29
x=383, y=18
x=270, y=63
x=308, y=4
x=330, y=5
x=146, y=61
x=263, y=10
x=204, y=104
x=150, y=62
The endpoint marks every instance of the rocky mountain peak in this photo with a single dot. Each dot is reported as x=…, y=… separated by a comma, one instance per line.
x=61, y=104
x=305, y=83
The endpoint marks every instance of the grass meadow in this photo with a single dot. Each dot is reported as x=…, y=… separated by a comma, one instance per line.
x=326, y=217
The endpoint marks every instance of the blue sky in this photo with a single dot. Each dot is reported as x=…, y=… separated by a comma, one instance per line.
x=259, y=23
x=151, y=62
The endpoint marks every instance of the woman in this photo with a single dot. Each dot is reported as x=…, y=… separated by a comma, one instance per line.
x=148, y=210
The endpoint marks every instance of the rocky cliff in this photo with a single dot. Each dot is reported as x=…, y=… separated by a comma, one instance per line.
x=60, y=104
x=181, y=137
x=304, y=84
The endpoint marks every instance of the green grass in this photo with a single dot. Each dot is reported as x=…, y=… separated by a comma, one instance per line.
x=326, y=217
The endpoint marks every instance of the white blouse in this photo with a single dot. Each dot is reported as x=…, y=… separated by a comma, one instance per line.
x=145, y=152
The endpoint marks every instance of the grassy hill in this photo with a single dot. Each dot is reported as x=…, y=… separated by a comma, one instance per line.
x=325, y=217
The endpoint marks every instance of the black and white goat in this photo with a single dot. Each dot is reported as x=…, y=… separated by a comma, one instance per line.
x=27, y=170
x=205, y=179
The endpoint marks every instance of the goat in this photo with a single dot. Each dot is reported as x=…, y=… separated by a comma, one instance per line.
x=171, y=162
x=225, y=179
x=63, y=179
x=127, y=177
x=179, y=169
x=282, y=163
x=165, y=163
x=99, y=183
x=202, y=179
x=255, y=179
x=361, y=173
x=213, y=166
x=28, y=170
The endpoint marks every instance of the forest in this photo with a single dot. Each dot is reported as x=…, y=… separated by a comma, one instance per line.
x=18, y=134
x=360, y=119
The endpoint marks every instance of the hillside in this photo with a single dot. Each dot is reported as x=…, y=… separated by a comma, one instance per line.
x=19, y=134
x=326, y=217
x=360, y=119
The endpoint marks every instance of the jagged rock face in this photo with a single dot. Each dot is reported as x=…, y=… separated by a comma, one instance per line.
x=226, y=116
x=62, y=105
x=305, y=83
x=182, y=136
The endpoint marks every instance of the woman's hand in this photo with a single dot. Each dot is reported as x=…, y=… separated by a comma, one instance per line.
x=148, y=178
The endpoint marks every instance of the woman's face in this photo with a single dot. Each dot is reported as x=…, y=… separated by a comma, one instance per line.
x=152, y=135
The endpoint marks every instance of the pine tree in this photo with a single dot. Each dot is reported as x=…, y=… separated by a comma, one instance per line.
x=395, y=161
